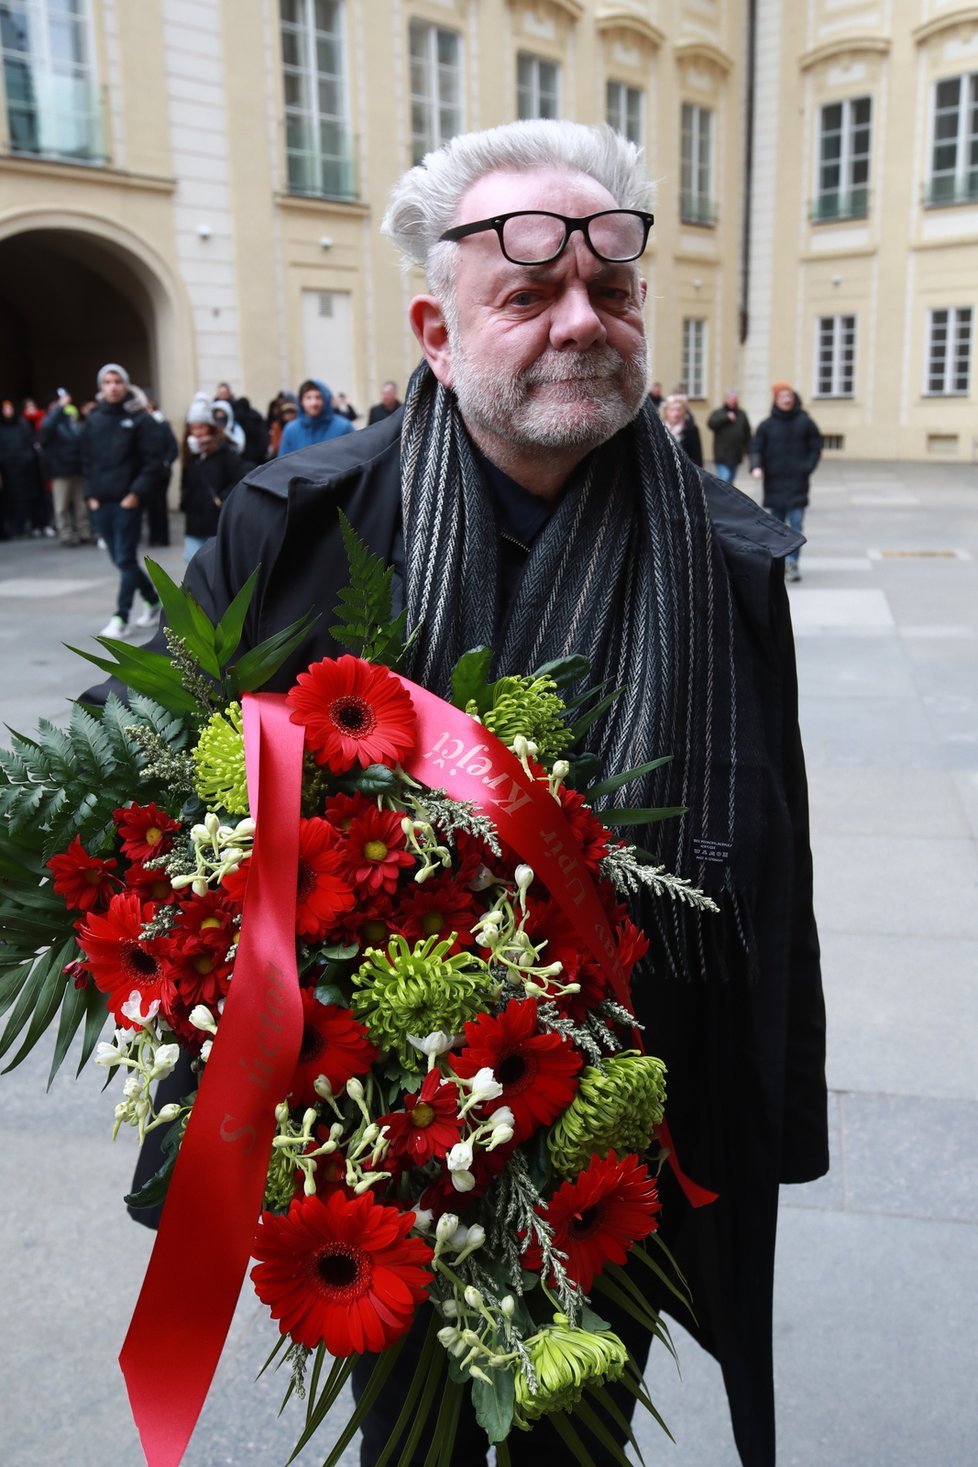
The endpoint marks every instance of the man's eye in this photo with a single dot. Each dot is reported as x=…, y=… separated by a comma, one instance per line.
x=523, y=298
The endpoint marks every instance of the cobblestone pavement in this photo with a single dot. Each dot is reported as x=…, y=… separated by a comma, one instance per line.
x=876, y=1331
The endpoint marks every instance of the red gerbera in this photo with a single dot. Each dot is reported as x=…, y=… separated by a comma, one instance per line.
x=334, y=1044
x=439, y=908
x=371, y=924
x=116, y=958
x=82, y=880
x=341, y=1271
x=150, y=882
x=599, y=1216
x=323, y=892
x=537, y=1071
x=197, y=954
x=353, y=713
x=145, y=830
x=330, y=1172
x=591, y=836
x=428, y=1126
x=342, y=810
x=374, y=851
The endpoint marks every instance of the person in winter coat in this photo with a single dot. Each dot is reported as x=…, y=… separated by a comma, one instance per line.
x=20, y=472
x=120, y=466
x=562, y=518
x=208, y=477
x=676, y=416
x=784, y=453
x=316, y=421
x=730, y=427
x=223, y=414
x=60, y=436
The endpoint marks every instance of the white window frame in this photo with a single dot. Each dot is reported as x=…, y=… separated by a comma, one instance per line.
x=835, y=356
x=441, y=113
x=852, y=197
x=950, y=343
x=314, y=169
x=533, y=86
x=694, y=355
x=697, y=134
x=958, y=184
x=66, y=107
x=625, y=110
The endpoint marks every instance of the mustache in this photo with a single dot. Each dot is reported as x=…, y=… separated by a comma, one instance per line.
x=590, y=366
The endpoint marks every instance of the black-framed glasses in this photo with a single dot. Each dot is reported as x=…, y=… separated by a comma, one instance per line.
x=535, y=236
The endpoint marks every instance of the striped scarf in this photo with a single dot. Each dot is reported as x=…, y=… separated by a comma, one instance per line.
x=628, y=572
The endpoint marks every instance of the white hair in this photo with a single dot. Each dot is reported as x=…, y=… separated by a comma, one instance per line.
x=424, y=202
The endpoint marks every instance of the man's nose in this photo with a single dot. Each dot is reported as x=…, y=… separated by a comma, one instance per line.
x=575, y=324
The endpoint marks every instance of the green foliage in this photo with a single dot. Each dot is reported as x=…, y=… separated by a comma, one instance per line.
x=367, y=628
x=200, y=674
x=495, y=1402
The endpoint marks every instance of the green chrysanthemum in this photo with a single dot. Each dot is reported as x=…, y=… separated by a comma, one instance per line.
x=418, y=990
x=219, y=756
x=566, y=1362
x=615, y=1108
x=528, y=706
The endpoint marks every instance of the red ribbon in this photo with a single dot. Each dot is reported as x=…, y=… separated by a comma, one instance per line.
x=204, y=1242
x=173, y=1346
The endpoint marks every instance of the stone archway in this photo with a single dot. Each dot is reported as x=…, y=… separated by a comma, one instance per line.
x=76, y=292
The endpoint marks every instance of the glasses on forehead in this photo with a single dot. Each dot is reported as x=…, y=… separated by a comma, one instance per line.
x=535, y=236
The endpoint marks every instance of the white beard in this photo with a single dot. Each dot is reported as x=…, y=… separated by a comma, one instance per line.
x=586, y=397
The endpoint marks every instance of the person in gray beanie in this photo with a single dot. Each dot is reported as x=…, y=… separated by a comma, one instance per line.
x=211, y=469
x=119, y=461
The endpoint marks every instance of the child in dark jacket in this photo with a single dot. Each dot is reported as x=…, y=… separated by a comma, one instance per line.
x=209, y=475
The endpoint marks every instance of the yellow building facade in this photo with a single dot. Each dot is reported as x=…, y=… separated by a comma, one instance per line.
x=195, y=189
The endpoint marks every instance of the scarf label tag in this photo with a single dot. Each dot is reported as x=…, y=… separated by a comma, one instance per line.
x=714, y=852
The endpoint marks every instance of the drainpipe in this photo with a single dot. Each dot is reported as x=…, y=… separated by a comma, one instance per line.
x=748, y=171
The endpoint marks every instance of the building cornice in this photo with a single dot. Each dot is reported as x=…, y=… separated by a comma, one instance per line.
x=573, y=9
x=841, y=47
x=612, y=20
x=706, y=51
x=86, y=173
x=304, y=204
x=950, y=22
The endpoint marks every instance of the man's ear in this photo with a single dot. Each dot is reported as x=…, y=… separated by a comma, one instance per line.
x=643, y=290
x=428, y=324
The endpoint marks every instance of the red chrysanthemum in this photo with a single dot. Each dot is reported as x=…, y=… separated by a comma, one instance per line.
x=83, y=880
x=610, y=1206
x=323, y=891
x=591, y=837
x=334, y=1044
x=374, y=851
x=330, y=1172
x=342, y=1271
x=538, y=1072
x=371, y=924
x=341, y=810
x=428, y=1126
x=439, y=908
x=352, y=713
x=116, y=958
x=145, y=830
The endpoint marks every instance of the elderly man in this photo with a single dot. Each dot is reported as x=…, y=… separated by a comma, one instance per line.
x=530, y=499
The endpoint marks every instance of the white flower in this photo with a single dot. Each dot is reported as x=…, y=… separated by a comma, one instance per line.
x=445, y=1227
x=485, y=1086
x=423, y=1218
x=205, y=1050
x=202, y=1018
x=437, y=1042
x=164, y=1059
x=132, y=1008
x=459, y=1158
x=463, y=1181
x=132, y=1087
x=322, y=1087
x=108, y=1054
x=523, y=876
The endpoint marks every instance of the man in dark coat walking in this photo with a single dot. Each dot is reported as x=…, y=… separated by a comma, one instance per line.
x=784, y=453
x=529, y=499
x=730, y=427
x=60, y=436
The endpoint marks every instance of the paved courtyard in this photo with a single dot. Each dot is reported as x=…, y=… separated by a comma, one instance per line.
x=876, y=1319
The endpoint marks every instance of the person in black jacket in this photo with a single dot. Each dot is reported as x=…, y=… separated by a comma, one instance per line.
x=730, y=427
x=208, y=477
x=389, y=403
x=679, y=420
x=20, y=472
x=120, y=466
x=784, y=452
x=60, y=436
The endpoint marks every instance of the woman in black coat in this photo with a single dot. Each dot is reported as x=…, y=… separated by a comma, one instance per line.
x=209, y=475
x=784, y=453
x=679, y=420
x=20, y=471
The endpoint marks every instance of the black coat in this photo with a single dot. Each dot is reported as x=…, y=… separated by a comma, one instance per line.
x=747, y=1101
x=206, y=482
x=786, y=447
x=121, y=453
x=730, y=435
x=60, y=436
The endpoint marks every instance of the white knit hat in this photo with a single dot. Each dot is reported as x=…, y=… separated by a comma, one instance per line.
x=199, y=410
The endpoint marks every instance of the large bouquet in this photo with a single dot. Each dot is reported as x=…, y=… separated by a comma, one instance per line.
x=387, y=939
